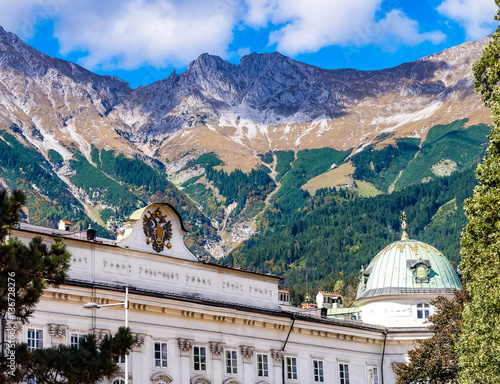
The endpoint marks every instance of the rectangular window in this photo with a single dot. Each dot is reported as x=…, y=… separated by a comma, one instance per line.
x=231, y=362
x=35, y=339
x=76, y=339
x=291, y=368
x=423, y=310
x=160, y=354
x=200, y=358
x=262, y=365
x=373, y=375
x=344, y=373
x=318, y=371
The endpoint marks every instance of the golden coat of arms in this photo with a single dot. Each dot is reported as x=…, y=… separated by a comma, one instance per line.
x=158, y=230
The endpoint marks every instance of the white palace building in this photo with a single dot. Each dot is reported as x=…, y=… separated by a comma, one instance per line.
x=201, y=323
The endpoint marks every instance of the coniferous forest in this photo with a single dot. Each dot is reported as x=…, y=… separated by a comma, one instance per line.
x=315, y=240
x=336, y=231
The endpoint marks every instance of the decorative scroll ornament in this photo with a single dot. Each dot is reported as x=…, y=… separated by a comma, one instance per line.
x=158, y=230
x=100, y=334
x=13, y=326
x=277, y=355
x=139, y=339
x=247, y=352
x=57, y=331
x=216, y=348
x=185, y=345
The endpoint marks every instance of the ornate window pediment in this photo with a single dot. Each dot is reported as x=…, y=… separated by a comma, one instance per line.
x=231, y=381
x=161, y=378
x=200, y=380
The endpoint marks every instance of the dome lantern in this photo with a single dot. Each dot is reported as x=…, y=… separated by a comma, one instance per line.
x=404, y=226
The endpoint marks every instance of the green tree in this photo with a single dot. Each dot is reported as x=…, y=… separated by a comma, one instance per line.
x=25, y=270
x=479, y=351
x=87, y=363
x=435, y=360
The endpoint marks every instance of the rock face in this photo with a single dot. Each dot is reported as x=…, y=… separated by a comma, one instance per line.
x=55, y=103
x=267, y=102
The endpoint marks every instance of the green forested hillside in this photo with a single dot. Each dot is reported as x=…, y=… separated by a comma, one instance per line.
x=327, y=236
x=445, y=149
x=48, y=198
x=452, y=142
x=118, y=183
x=241, y=188
x=382, y=167
x=337, y=231
x=295, y=172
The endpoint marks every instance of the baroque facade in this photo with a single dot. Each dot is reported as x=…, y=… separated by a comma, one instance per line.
x=198, y=323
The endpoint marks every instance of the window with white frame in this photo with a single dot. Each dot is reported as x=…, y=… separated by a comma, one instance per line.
x=291, y=368
x=318, y=371
x=199, y=358
x=76, y=339
x=373, y=375
x=423, y=310
x=262, y=365
x=160, y=354
x=231, y=362
x=35, y=339
x=118, y=381
x=344, y=373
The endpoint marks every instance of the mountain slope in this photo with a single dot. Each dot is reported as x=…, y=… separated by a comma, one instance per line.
x=269, y=116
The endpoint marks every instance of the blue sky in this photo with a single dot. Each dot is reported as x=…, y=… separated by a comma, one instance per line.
x=142, y=41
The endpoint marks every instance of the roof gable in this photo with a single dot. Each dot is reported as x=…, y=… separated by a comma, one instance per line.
x=156, y=229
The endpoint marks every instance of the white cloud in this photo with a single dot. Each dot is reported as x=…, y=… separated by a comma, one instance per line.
x=243, y=51
x=307, y=26
x=397, y=28
x=476, y=16
x=24, y=16
x=260, y=12
x=129, y=34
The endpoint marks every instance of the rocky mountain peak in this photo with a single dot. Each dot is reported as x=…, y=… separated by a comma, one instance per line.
x=16, y=55
x=267, y=100
x=205, y=63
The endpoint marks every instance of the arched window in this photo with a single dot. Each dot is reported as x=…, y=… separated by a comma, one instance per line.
x=118, y=381
x=161, y=378
x=200, y=380
x=423, y=310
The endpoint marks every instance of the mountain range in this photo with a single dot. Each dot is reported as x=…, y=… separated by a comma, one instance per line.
x=224, y=141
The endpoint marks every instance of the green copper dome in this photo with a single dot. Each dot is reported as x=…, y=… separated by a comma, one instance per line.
x=407, y=267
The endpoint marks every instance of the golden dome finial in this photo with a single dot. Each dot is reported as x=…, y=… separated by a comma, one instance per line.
x=404, y=226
